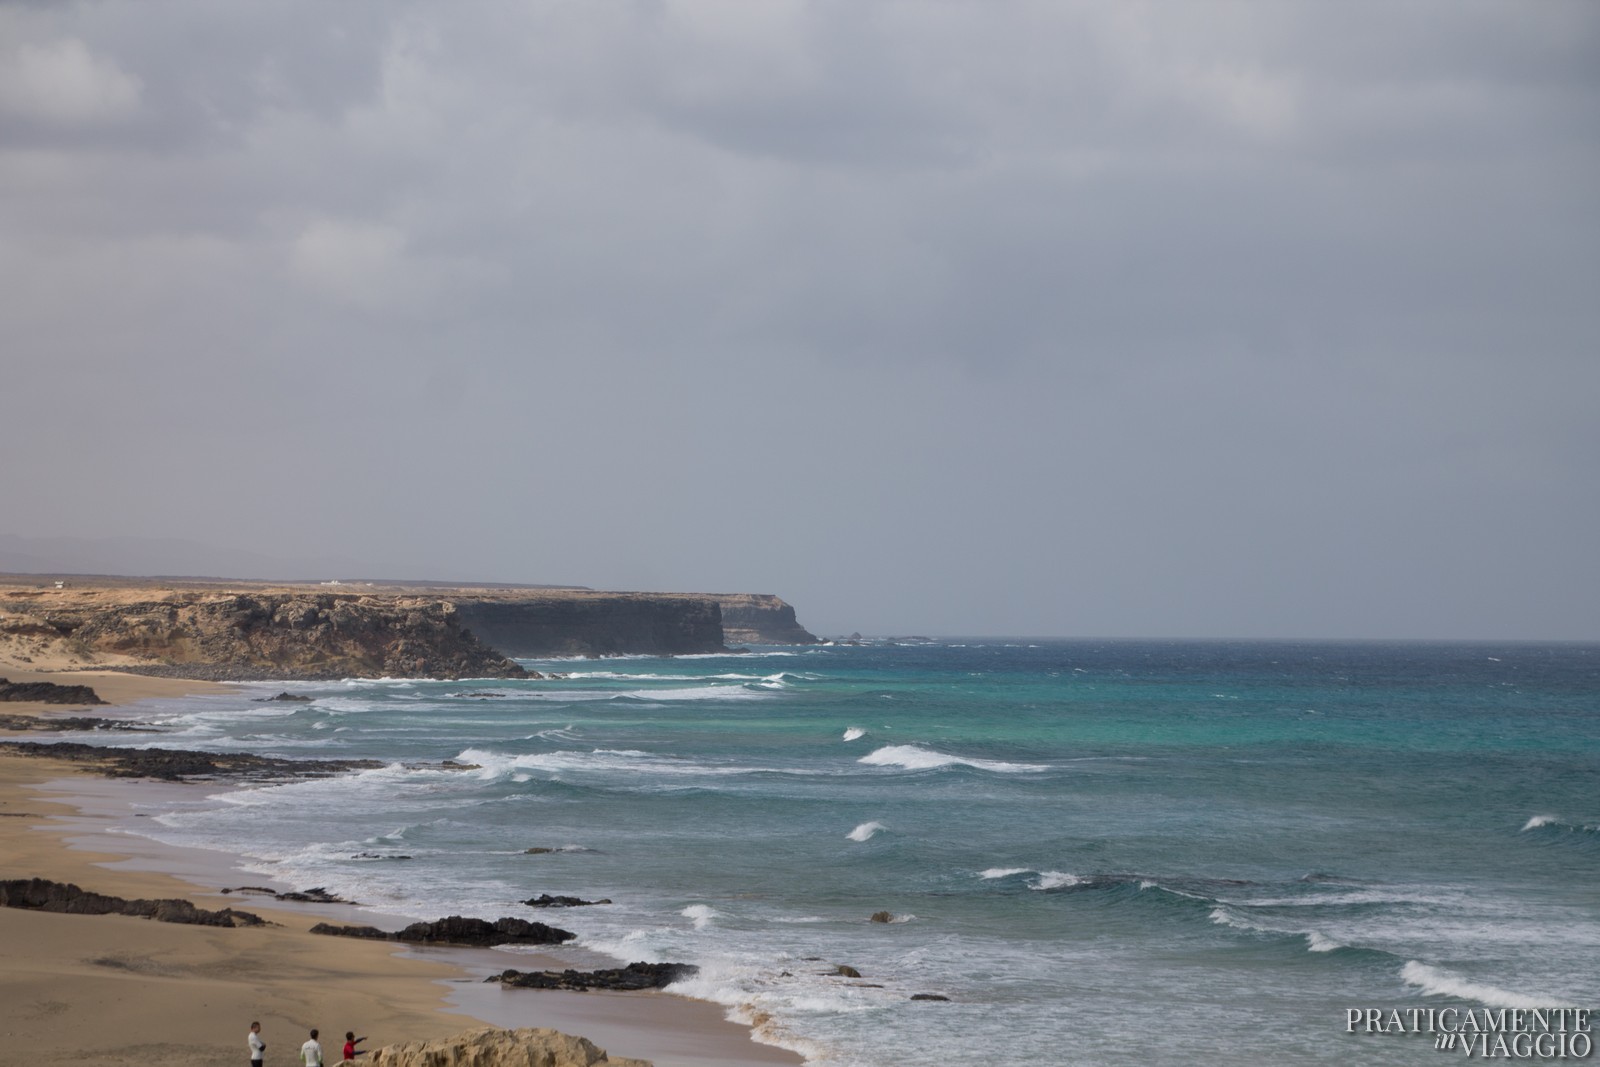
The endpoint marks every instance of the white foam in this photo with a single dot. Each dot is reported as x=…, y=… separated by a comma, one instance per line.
x=1223, y=917
x=600, y=760
x=917, y=758
x=1004, y=872
x=1437, y=982
x=1538, y=821
x=1395, y=895
x=865, y=831
x=700, y=914
x=698, y=692
x=1056, y=880
x=855, y=733
x=1316, y=942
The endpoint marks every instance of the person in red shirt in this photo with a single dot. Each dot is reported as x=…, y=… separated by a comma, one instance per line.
x=350, y=1043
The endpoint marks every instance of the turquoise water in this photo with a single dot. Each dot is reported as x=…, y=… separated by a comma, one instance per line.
x=1102, y=852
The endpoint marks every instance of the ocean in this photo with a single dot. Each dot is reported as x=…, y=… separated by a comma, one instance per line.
x=1102, y=852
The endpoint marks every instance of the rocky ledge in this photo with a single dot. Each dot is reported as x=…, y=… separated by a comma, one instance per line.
x=176, y=765
x=73, y=723
x=457, y=930
x=40, y=894
x=629, y=979
x=500, y=1048
x=48, y=693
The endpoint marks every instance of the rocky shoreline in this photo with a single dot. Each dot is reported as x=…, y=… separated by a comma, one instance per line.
x=180, y=765
x=47, y=693
x=64, y=898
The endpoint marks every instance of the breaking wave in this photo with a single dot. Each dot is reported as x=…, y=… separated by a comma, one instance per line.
x=917, y=758
x=1437, y=982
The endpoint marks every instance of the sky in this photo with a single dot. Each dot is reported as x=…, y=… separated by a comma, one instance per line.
x=1108, y=318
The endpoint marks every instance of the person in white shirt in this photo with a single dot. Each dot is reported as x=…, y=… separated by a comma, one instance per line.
x=258, y=1047
x=311, y=1052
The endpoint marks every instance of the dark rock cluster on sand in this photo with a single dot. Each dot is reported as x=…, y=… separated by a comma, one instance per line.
x=48, y=693
x=176, y=765
x=458, y=930
x=634, y=976
x=40, y=894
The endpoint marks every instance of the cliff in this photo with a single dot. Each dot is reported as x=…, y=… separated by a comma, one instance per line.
x=210, y=628
x=500, y=1048
x=760, y=619
x=589, y=623
x=250, y=635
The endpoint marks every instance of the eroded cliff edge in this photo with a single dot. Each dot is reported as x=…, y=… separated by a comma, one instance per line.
x=591, y=623
x=241, y=630
x=249, y=635
x=760, y=619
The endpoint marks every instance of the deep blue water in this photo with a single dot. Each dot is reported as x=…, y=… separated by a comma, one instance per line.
x=1102, y=852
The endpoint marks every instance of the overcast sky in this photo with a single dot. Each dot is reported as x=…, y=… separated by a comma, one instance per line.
x=1107, y=318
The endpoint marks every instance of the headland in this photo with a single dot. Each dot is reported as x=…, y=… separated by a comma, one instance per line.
x=221, y=629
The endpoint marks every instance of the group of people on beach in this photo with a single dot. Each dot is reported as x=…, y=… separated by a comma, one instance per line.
x=310, y=1052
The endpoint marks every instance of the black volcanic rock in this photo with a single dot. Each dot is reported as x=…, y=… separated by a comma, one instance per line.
x=635, y=976
x=48, y=693
x=40, y=894
x=75, y=723
x=370, y=933
x=545, y=900
x=176, y=765
x=458, y=930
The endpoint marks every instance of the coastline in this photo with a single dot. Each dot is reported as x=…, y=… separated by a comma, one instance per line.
x=115, y=989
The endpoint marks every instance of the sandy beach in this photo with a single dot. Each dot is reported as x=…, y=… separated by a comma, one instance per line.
x=111, y=989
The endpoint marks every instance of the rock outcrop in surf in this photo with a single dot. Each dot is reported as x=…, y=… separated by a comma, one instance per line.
x=458, y=930
x=632, y=978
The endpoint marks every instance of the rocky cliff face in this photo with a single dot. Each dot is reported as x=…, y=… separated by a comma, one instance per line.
x=256, y=630
x=500, y=1048
x=584, y=623
x=259, y=634
x=760, y=619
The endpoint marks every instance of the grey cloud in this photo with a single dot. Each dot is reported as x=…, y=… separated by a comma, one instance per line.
x=1088, y=317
